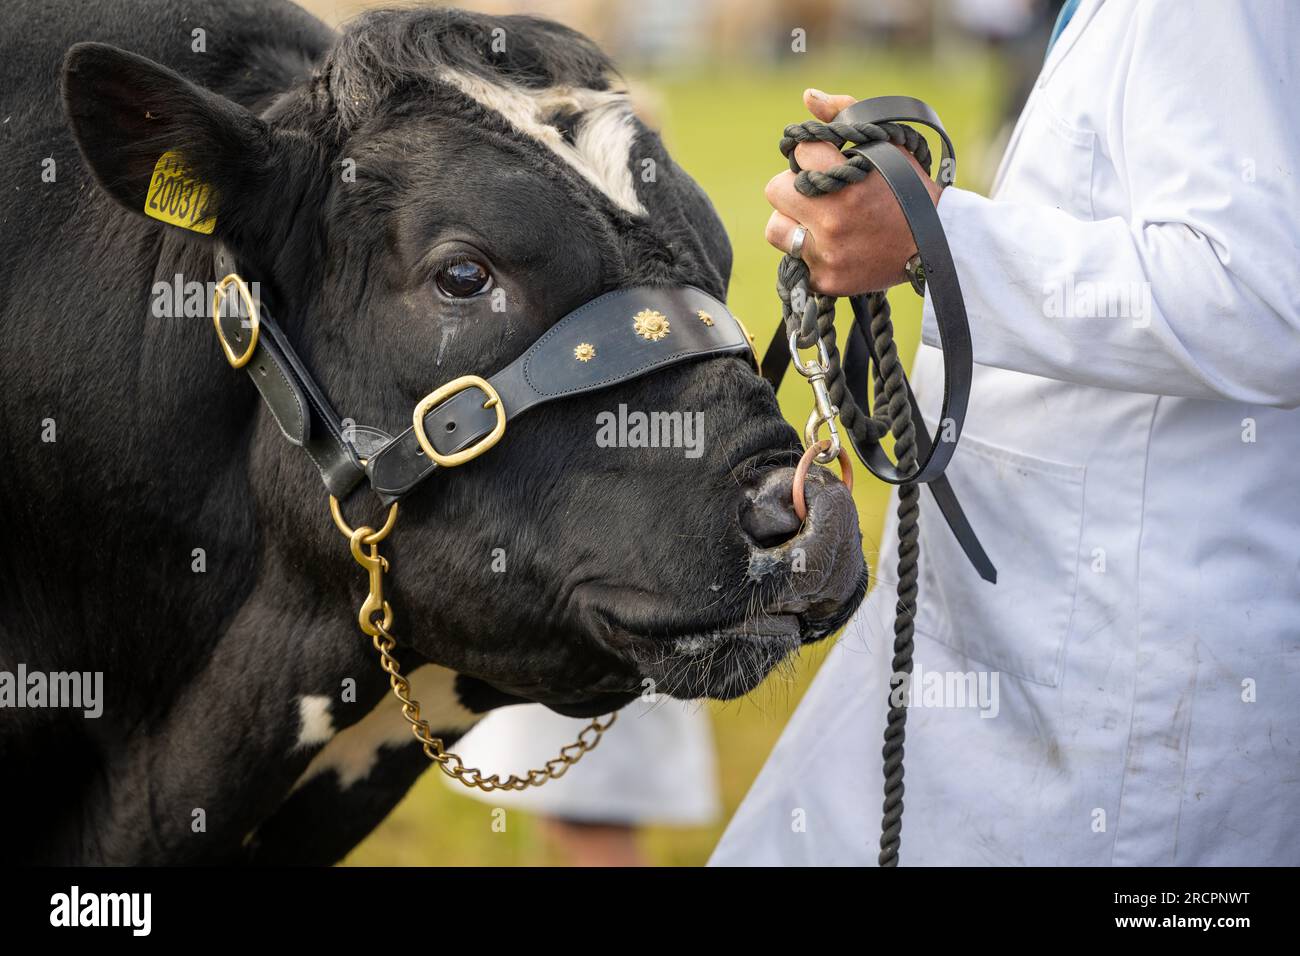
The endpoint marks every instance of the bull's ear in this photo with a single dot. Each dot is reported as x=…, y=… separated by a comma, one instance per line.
x=151, y=136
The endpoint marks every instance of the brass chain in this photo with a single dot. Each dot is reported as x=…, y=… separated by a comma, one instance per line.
x=376, y=617
x=450, y=763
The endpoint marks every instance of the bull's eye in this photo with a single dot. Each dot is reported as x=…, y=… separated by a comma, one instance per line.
x=462, y=279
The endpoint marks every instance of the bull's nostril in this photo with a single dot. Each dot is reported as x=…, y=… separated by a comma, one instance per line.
x=768, y=517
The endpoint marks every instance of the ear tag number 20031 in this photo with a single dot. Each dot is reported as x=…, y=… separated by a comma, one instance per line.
x=176, y=198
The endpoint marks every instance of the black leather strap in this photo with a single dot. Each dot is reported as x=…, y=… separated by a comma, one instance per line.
x=905, y=109
x=299, y=407
x=611, y=339
x=950, y=312
x=698, y=326
x=859, y=354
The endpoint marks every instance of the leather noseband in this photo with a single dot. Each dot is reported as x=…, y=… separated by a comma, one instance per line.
x=615, y=338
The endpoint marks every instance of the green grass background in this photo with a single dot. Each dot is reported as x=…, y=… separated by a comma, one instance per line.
x=723, y=126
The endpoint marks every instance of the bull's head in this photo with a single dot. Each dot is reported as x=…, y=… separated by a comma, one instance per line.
x=423, y=203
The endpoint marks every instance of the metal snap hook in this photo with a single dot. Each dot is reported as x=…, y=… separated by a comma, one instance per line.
x=809, y=370
x=824, y=411
x=375, y=565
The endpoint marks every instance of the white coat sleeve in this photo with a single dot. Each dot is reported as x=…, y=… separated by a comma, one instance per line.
x=1203, y=131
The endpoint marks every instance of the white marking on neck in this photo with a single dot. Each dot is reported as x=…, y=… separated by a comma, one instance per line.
x=602, y=139
x=315, y=725
x=354, y=751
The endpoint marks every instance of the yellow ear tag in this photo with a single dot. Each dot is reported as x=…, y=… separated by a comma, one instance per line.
x=176, y=198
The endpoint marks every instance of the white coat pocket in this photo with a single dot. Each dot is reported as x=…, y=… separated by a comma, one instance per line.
x=1028, y=513
x=1052, y=157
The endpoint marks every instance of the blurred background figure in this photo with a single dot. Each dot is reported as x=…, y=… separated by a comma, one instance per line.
x=1018, y=31
x=720, y=79
x=656, y=768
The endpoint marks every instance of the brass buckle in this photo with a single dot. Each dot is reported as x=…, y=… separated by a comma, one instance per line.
x=440, y=395
x=255, y=322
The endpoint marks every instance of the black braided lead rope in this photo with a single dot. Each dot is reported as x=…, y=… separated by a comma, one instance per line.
x=812, y=317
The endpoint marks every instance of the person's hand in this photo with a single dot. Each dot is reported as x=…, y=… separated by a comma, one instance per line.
x=858, y=240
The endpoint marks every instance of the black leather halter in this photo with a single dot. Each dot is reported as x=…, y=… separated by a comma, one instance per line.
x=940, y=280
x=617, y=337
x=600, y=344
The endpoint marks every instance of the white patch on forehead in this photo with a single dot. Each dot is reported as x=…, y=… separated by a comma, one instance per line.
x=315, y=725
x=354, y=751
x=602, y=138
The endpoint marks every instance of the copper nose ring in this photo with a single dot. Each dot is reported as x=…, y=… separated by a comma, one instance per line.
x=801, y=472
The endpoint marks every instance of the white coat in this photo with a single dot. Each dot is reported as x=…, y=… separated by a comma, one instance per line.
x=1131, y=463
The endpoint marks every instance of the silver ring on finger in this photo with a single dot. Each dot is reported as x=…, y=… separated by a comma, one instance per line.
x=797, y=242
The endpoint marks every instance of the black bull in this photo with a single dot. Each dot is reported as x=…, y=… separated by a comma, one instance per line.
x=157, y=529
